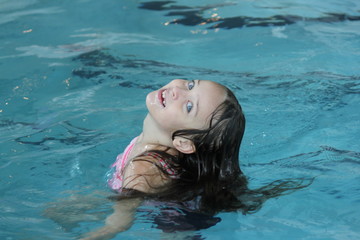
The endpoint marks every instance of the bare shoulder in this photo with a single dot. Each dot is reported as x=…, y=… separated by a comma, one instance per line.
x=143, y=174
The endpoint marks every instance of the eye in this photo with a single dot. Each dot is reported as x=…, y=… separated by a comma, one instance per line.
x=189, y=106
x=191, y=84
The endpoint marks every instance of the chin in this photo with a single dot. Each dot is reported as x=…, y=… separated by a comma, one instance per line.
x=151, y=104
x=149, y=99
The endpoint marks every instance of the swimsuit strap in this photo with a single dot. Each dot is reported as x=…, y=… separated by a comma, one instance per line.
x=127, y=153
x=172, y=172
x=122, y=159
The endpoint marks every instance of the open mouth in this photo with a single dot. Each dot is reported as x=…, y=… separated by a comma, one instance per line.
x=162, y=97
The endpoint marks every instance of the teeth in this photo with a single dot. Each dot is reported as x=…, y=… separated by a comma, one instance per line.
x=163, y=96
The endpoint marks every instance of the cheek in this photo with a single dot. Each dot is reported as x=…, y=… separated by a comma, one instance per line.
x=172, y=122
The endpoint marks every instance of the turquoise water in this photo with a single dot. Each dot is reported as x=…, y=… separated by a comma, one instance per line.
x=75, y=73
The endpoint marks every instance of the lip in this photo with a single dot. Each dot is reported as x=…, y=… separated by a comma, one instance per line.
x=159, y=95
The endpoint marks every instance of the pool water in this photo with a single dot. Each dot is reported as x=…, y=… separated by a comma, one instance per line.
x=75, y=74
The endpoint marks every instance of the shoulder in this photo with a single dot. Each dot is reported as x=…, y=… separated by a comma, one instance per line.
x=143, y=174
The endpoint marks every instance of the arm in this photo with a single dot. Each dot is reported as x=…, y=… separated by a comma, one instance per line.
x=140, y=175
x=120, y=220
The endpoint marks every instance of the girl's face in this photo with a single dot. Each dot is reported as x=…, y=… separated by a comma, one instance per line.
x=184, y=104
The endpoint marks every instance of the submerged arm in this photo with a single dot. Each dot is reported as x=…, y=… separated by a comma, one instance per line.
x=120, y=220
x=139, y=175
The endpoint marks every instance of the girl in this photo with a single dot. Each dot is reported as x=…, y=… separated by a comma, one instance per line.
x=188, y=152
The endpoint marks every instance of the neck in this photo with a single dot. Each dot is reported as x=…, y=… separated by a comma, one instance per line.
x=153, y=135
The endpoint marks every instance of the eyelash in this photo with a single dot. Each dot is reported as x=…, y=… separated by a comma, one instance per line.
x=191, y=84
x=189, y=104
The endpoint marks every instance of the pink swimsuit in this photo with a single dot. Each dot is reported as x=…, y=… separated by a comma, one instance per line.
x=116, y=182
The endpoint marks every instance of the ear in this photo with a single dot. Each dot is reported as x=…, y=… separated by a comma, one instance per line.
x=184, y=145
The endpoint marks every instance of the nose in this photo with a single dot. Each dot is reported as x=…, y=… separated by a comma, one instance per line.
x=177, y=92
x=178, y=88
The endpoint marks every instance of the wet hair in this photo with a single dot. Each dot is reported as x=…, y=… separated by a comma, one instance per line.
x=211, y=176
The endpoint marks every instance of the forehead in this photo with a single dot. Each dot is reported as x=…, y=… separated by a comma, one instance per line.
x=210, y=96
